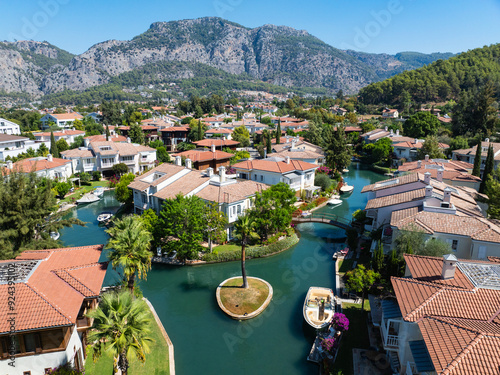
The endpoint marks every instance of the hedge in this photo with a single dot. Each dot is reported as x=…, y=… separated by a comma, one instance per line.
x=255, y=252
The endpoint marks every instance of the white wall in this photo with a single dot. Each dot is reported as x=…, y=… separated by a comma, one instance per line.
x=39, y=362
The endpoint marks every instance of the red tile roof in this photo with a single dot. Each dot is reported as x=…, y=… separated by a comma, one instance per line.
x=275, y=166
x=67, y=116
x=202, y=155
x=53, y=294
x=37, y=164
x=216, y=142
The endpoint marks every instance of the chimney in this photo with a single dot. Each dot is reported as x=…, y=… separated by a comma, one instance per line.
x=415, y=140
x=397, y=132
x=447, y=195
x=86, y=142
x=287, y=139
x=440, y=173
x=178, y=161
x=189, y=163
x=427, y=178
x=222, y=174
x=449, y=266
x=386, y=128
x=213, y=147
x=392, y=132
x=49, y=158
x=288, y=159
x=210, y=171
x=428, y=191
x=9, y=164
x=129, y=140
x=487, y=140
x=293, y=144
x=426, y=157
x=419, y=164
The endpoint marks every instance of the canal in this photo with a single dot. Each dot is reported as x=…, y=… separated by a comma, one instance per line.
x=205, y=340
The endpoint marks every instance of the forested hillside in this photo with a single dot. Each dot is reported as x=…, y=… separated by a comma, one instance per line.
x=440, y=81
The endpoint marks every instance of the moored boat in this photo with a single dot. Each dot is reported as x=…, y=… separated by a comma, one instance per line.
x=319, y=307
x=104, y=216
x=346, y=188
x=334, y=202
x=55, y=235
x=88, y=198
x=99, y=191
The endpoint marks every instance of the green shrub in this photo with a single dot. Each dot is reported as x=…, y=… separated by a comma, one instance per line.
x=255, y=252
x=96, y=176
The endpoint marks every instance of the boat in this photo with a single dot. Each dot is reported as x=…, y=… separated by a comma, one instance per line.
x=346, y=188
x=104, y=216
x=334, y=202
x=55, y=235
x=319, y=307
x=345, y=170
x=88, y=198
x=99, y=191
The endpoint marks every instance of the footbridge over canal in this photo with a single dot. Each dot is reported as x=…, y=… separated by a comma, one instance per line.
x=325, y=218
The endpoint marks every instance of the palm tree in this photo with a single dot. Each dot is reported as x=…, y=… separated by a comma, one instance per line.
x=244, y=231
x=122, y=328
x=130, y=242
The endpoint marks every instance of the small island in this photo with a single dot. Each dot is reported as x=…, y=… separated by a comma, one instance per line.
x=244, y=303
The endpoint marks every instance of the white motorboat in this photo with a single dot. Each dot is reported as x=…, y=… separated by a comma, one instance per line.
x=345, y=170
x=346, y=188
x=99, y=191
x=319, y=307
x=104, y=216
x=334, y=202
x=88, y=198
x=54, y=235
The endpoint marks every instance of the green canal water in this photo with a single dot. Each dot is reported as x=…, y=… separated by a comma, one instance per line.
x=208, y=342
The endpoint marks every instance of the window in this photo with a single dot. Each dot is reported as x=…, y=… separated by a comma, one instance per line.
x=88, y=161
x=261, y=178
x=144, y=198
x=454, y=245
x=234, y=210
x=26, y=372
x=128, y=158
x=105, y=148
x=239, y=209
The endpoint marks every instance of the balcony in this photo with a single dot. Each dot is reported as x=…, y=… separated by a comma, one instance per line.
x=83, y=323
x=411, y=368
x=392, y=341
x=128, y=162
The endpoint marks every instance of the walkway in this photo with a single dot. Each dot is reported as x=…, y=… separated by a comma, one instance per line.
x=325, y=218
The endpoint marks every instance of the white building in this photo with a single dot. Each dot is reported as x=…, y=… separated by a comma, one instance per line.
x=233, y=196
x=103, y=155
x=298, y=174
x=468, y=155
x=68, y=135
x=54, y=290
x=62, y=120
x=13, y=145
x=9, y=127
x=43, y=167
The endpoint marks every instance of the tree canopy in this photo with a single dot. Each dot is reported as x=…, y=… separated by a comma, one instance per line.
x=421, y=125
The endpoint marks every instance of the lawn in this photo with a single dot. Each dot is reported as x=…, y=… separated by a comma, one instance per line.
x=345, y=265
x=156, y=361
x=355, y=337
x=84, y=189
x=243, y=301
x=229, y=247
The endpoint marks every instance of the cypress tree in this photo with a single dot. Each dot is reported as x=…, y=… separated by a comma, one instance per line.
x=488, y=168
x=107, y=133
x=476, y=171
x=269, y=148
x=278, y=132
x=53, y=146
x=200, y=136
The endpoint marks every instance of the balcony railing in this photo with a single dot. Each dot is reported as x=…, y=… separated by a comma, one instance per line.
x=83, y=323
x=392, y=341
x=411, y=368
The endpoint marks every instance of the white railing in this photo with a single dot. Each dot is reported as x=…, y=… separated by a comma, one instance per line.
x=411, y=368
x=392, y=341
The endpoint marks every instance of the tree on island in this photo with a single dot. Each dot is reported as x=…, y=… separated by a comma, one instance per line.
x=244, y=231
x=122, y=328
x=130, y=244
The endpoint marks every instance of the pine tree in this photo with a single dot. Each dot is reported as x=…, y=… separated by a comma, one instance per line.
x=476, y=171
x=53, y=146
x=488, y=168
x=278, y=132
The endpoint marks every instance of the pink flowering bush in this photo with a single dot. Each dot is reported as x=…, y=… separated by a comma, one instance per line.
x=340, y=322
x=328, y=344
x=323, y=170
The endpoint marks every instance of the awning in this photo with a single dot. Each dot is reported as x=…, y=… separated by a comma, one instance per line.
x=391, y=309
x=421, y=356
x=293, y=175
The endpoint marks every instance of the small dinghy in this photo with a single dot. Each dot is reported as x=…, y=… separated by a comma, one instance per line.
x=104, y=216
x=319, y=307
x=88, y=198
x=99, y=191
x=345, y=189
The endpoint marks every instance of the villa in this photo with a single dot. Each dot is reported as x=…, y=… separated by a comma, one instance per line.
x=203, y=159
x=13, y=145
x=61, y=120
x=54, y=289
x=9, y=127
x=68, y=135
x=445, y=318
x=49, y=167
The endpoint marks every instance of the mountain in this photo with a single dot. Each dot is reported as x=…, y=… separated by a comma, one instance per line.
x=276, y=55
x=441, y=80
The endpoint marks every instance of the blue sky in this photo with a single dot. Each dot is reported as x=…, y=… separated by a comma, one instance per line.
x=378, y=26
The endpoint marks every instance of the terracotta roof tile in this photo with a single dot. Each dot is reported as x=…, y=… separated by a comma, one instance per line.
x=401, y=180
x=275, y=166
x=183, y=185
x=231, y=193
x=390, y=200
x=204, y=155
x=216, y=142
